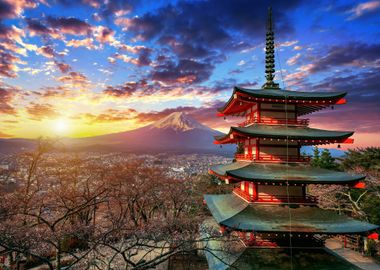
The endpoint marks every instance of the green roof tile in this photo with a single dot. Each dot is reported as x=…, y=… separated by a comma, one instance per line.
x=231, y=211
x=294, y=95
x=287, y=132
x=296, y=173
x=222, y=256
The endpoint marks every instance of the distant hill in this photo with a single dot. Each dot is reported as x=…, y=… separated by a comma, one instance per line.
x=177, y=133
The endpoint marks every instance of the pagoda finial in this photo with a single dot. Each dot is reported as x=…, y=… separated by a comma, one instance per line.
x=269, y=55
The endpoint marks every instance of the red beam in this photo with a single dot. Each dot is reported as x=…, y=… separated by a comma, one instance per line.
x=348, y=140
x=374, y=236
x=359, y=185
x=341, y=101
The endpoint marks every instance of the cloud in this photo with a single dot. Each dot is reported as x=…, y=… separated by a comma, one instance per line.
x=184, y=72
x=288, y=43
x=353, y=54
x=36, y=28
x=8, y=67
x=142, y=60
x=63, y=67
x=14, y=8
x=47, y=51
x=104, y=35
x=70, y=25
x=88, y=43
x=5, y=135
x=74, y=79
x=144, y=55
x=126, y=90
x=12, y=45
x=361, y=113
x=193, y=33
x=54, y=92
x=7, y=95
x=362, y=9
x=38, y=111
x=293, y=60
x=110, y=116
x=359, y=55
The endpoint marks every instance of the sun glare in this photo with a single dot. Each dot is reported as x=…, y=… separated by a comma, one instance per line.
x=61, y=126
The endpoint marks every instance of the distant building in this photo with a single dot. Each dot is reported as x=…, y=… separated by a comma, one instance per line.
x=278, y=222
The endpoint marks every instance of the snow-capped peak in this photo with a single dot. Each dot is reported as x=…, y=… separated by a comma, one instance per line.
x=178, y=121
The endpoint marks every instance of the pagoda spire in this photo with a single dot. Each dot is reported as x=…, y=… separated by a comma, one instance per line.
x=269, y=55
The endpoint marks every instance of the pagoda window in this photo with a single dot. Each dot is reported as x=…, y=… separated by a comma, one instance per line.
x=277, y=111
x=272, y=193
x=278, y=151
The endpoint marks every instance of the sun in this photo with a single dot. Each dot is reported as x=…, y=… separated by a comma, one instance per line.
x=61, y=126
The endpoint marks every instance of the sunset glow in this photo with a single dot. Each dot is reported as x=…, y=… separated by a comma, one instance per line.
x=91, y=67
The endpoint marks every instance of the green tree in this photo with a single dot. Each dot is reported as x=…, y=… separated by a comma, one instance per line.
x=323, y=159
x=364, y=158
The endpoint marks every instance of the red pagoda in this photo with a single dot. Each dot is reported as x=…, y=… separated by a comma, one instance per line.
x=270, y=209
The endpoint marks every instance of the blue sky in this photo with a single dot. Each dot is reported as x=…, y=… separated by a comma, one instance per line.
x=107, y=66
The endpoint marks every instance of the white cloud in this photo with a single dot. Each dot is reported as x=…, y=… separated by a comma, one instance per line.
x=363, y=8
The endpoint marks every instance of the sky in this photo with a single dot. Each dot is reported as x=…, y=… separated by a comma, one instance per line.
x=88, y=67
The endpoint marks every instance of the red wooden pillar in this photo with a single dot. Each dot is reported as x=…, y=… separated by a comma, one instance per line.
x=246, y=188
x=251, y=237
x=345, y=241
x=258, y=112
x=257, y=149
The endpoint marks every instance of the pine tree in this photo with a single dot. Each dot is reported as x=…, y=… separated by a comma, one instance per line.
x=323, y=159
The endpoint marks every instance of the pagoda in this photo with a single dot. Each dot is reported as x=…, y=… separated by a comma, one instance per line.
x=270, y=210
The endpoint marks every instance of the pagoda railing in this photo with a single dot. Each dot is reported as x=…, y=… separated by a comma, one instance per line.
x=308, y=199
x=276, y=121
x=244, y=195
x=273, y=158
x=284, y=199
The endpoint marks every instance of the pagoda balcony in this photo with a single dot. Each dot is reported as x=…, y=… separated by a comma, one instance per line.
x=273, y=158
x=308, y=199
x=276, y=121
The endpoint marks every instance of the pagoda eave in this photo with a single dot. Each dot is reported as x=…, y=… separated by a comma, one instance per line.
x=303, y=135
x=232, y=212
x=284, y=174
x=308, y=102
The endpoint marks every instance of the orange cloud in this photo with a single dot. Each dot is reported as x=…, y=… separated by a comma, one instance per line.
x=41, y=111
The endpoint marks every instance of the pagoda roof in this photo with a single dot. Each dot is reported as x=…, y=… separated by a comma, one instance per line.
x=294, y=173
x=224, y=253
x=283, y=132
x=307, y=101
x=290, y=95
x=233, y=212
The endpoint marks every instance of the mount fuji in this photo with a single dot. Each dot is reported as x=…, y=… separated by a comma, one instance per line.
x=176, y=133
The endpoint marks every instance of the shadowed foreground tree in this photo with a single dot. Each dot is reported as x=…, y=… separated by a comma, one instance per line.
x=364, y=204
x=79, y=212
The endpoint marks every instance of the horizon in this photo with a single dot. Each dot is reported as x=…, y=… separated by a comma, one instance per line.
x=87, y=68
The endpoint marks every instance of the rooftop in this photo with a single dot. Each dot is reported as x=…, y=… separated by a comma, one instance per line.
x=307, y=102
x=223, y=255
x=284, y=132
x=231, y=211
x=295, y=173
